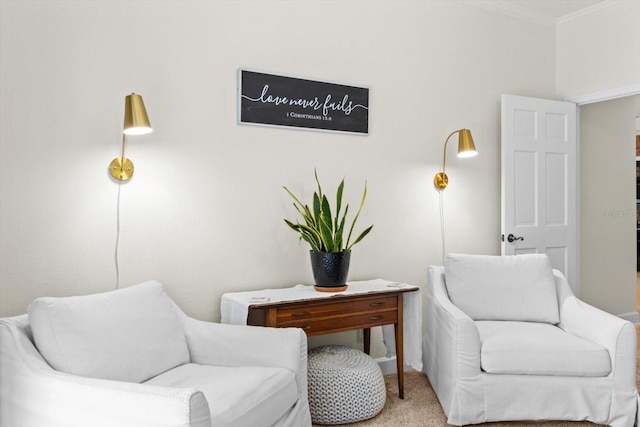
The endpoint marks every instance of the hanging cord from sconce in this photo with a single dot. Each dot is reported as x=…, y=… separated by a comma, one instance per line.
x=441, y=200
x=118, y=236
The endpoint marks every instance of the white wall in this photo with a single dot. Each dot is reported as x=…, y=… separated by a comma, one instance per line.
x=599, y=50
x=607, y=206
x=598, y=56
x=203, y=212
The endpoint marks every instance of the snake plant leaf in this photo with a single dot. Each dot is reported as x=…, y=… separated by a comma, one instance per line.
x=326, y=225
x=296, y=227
x=317, y=209
x=326, y=213
x=340, y=231
x=339, y=202
x=295, y=199
x=360, y=237
x=364, y=196
x=314, y=245
x=302, y=209
x=326, y=232
x=315, y=172
x=307, y=233
x=308, y=217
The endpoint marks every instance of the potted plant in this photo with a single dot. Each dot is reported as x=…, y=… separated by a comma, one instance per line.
x=323, y=228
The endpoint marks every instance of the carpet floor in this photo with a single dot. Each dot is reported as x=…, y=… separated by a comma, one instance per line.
x=420, y=407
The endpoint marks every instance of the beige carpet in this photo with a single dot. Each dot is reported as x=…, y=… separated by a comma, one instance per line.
x=420, y=407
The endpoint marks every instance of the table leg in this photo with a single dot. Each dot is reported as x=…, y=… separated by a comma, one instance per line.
x=399, y=334
x=366, y=334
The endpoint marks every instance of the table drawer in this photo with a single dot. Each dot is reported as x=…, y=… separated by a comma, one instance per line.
x=310, y=310
x=343, y=323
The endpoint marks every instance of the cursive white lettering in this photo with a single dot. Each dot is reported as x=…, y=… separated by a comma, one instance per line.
x=345, y=105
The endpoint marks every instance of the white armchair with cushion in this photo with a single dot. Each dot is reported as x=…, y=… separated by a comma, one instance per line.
x=132, y=358
x=506, y=339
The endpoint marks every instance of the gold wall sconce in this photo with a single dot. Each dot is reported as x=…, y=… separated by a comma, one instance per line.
x=466, y=148
x=136, y=122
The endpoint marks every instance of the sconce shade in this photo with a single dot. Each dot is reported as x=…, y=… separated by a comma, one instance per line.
x=136, y=121
x=466, y=147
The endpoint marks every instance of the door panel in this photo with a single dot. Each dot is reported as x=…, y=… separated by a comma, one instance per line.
x=556, y=189
x=539, y=180
x=525, y=194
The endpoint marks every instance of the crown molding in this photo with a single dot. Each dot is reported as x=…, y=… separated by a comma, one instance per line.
x=512, y=9
x=588, y=10
x=606, y=95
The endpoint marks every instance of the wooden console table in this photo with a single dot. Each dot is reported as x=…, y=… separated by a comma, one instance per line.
x=337, y=313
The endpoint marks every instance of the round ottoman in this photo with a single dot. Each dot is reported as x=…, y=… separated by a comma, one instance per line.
x=345, y=385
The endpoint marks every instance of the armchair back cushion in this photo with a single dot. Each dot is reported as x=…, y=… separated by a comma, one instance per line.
x=131, y=334
x=516, y=288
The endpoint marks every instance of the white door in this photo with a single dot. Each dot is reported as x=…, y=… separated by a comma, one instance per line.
x=539, y=181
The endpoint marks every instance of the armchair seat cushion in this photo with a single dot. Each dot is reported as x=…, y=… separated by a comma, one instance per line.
x=527, y=348
x=237, y=396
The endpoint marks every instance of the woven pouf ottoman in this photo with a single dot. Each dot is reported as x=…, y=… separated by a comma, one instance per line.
x=345, y=385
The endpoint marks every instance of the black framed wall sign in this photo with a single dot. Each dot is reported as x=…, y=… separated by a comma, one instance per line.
x=267, y=99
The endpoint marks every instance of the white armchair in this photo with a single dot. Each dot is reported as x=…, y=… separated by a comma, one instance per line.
x=494, y=350
x=132, y=358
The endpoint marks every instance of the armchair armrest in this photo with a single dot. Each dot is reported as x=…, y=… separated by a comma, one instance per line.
x=34, y=394
x=617, y=335
x=452, y=343
x=224, y=344
x=451, y=353
x=452, y=334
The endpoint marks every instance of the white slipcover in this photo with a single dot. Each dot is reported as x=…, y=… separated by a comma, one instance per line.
x=468, y=395
x=131, y=334
x=488, y=287
x=33, y=394
x=529, y=348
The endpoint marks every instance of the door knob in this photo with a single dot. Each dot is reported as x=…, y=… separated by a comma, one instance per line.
x=511, y=238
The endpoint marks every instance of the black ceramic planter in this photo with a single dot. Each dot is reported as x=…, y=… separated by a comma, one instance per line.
x=330, y=270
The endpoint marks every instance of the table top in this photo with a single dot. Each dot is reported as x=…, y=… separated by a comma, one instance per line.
x=297, y=293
